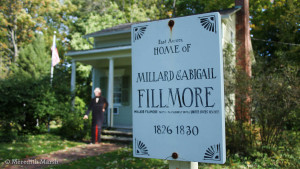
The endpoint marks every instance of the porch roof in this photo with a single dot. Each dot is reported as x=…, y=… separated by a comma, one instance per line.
x=93, y=51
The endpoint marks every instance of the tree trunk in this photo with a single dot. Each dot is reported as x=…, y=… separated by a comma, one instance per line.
x=12, y=31
x=15, y=46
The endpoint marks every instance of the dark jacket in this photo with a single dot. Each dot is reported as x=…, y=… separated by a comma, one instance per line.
x=96, y=108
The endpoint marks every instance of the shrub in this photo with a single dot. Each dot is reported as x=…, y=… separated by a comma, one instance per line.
x=240, y=134
x=73, y=125
x=26, y=105
x=275, y=105
x=240, y=137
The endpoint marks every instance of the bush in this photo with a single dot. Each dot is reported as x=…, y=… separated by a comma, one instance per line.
x=240, y=134
x=271, y=99
x=73, y=125
x=26, y=104
x=28, y=101
x=240, y=137
x=276, y=105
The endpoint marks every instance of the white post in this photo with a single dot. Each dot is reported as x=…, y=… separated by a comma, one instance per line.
x=52, y=68
x=182, y=165
x=73, y=82
x=51, y=72
x=110, y=93
x=93, y=82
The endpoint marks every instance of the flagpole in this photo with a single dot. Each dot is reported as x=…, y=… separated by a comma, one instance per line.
x=52, y=67
x=51, y=72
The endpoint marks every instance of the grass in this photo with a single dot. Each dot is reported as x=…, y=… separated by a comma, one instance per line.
x=123, y=158
x=33, y=145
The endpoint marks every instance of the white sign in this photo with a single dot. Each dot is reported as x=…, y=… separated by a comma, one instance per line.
x=178, y=89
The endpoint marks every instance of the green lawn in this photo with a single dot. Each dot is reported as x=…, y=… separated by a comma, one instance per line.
x=123, y=158
x=34, y=145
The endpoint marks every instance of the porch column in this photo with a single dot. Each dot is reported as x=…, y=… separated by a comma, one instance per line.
x=110, y=114
x=93, y=82
x=73, y=82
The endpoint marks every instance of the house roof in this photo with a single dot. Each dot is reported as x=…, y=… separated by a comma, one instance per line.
x=229, y=11
x=125, y=28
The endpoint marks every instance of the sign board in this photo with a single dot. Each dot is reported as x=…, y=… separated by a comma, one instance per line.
x=178, y=89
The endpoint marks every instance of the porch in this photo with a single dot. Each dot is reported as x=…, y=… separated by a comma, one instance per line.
x=111, y=71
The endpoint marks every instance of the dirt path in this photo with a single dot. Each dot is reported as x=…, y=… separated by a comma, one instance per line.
x=64, y=156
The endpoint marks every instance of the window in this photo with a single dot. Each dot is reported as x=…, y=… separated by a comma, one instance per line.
x=121, y=89
x=116, y=110
x=118, y=90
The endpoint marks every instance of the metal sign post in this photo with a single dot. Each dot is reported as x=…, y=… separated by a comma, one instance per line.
x=183, y=165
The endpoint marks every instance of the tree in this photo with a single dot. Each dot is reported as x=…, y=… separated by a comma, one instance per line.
x=34, y=61
x=111, y=14
x=21, y=19
x=275, y=28
x=140, y=10
x=183, y=8
x=95, y=22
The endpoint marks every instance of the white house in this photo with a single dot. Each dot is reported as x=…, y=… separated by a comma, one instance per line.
x=111, y=62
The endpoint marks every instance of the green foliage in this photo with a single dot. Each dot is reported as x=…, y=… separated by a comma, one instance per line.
x=275, y=81
x=95, y=22
x=275, y=101
x=240, y=137
x=27, y=102
x=229, y=79
x=141, y=10
x=84, y=81
x=21, y=20
x=110, y=15
x=190, y=7
x=73, y=125
x=270, y=140
x=121, y=158
x=34, y=61
x=277, y=24
x=32, y=145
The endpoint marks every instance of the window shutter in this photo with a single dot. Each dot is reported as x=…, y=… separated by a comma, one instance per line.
x=125, y=90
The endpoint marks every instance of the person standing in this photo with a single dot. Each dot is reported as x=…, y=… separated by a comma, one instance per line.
x=97, y=105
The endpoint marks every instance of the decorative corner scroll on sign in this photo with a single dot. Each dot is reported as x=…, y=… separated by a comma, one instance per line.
x=213, y=153
x=138, y=32
x=209, y=23
x=140, y=148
